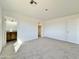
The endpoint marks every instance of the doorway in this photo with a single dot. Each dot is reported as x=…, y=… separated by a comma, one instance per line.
x=39, y=30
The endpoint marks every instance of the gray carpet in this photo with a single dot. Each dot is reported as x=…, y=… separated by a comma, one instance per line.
x=8, y=51
x=43, y=48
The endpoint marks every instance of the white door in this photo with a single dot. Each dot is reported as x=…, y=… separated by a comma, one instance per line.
x=71, y=30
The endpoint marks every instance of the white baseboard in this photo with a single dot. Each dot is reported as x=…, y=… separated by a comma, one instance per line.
x=77, y=42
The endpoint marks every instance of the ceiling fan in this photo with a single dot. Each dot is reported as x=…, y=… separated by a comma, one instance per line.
x=33, y=2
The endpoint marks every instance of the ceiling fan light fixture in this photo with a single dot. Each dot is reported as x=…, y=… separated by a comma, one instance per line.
x=32, y=1
x=35, y=3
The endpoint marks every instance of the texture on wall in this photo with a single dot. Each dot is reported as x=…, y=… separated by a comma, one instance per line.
x=64, y=28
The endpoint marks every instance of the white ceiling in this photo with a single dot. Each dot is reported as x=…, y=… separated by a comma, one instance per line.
x=56, y=8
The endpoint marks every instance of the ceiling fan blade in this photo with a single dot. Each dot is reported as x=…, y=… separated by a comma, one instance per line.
x=35, y=3
x=32, y=1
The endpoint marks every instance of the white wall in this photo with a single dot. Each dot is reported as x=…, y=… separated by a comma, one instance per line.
x=26, y=27
x=10, y=26
x=55, y=29
x=71, y=30
x=65, y=28
x=77, y=29
x=0, y=30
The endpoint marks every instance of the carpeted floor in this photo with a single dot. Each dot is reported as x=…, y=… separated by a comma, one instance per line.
x=43, y=48
x=8, y=51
